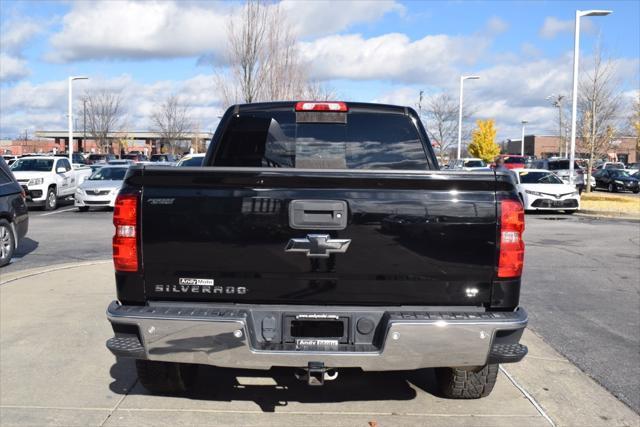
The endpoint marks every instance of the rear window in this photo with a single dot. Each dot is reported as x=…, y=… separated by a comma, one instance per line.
x=557, y=165
x=193, y=161
x=474, y=164
x=614, y=166
x=109, y=174
x=366, y=141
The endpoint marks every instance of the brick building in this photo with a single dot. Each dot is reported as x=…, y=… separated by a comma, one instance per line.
x=622, y=149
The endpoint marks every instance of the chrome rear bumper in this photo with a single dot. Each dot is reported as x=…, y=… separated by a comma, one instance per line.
x=225, y=336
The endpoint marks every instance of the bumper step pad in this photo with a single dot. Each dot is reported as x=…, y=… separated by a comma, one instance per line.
x=126, y=346
x=507, y=353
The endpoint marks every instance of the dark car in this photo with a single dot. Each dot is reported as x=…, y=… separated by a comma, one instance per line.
x=616, y=180
x=14, y=216
x=78, y=158
x=99, y=158
x=135, y=157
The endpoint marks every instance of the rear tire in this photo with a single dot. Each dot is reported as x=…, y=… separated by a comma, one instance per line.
x=165, y=377
x=467, y=383
x=7, y=242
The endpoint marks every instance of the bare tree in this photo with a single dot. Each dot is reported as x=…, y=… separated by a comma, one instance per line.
x=104, y=115
x=246, y=55
x=264, y=61
x=440, y=113
x=172, y=121
x=634, y=122
x=599, y=104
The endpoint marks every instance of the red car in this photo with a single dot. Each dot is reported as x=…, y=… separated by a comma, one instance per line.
x=513, y=161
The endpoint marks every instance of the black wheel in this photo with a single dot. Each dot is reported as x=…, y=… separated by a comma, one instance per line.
x=611, y=188
x=567, y=212
x=467, y=383
x=51, y=202
x=7, y=242
x=165, y=377
x=83, y=208
x=636, y=191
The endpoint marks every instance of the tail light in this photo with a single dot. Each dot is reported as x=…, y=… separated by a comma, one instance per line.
x=334, y=107
x=511, y=244
x=125, y=241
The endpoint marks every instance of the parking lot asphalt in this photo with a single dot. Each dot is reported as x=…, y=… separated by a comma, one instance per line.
x=581, y=284
x=62, y=236
x=581, y=287
x=55, y=370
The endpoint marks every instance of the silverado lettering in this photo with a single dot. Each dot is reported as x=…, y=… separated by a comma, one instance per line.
x=201, y=289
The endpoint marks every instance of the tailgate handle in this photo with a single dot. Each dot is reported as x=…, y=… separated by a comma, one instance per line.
x=318, y=214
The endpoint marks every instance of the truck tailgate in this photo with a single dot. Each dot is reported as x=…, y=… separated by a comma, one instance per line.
x=416, y=238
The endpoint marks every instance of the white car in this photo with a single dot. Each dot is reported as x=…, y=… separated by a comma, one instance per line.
x=468, y=164
x=540, y=189
x=191, y=160
x=101, y=189
x=45, y=179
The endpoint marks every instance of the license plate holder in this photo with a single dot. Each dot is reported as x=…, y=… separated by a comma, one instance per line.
x=323, y=328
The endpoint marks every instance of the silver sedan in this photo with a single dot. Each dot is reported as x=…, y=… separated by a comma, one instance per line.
x=101, y=189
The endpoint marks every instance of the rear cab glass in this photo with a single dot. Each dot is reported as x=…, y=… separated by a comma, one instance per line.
x=365, y=140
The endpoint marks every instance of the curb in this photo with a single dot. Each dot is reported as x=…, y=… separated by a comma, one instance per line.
x=608, y=215
x=23, y=274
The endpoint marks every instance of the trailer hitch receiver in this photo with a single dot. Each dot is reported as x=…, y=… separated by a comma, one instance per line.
x=316, y=374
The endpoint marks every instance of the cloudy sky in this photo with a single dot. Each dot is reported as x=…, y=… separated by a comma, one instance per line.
x=382, y=51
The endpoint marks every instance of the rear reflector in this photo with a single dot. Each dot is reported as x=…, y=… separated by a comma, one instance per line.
x=511, y=244
x=321, y=106
x=125, y=244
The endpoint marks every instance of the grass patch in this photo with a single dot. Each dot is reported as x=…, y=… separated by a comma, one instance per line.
x=613, y=203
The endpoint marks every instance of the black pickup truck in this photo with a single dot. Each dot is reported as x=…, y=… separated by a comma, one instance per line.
x=318, y=236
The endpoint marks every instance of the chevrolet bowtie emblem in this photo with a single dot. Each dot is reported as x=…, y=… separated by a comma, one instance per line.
x=318, y=245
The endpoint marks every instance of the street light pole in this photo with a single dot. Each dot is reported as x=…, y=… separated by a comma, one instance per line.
x=574, y=101
x=70, y=149
x=462, y=79
x=524, y=122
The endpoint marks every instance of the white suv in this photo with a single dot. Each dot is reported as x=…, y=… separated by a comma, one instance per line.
x=45, y=179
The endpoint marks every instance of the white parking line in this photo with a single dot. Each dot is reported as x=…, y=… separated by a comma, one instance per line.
x=57, y=212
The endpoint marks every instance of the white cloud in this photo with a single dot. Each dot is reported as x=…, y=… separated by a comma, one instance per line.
x=140, y=30
x=44, y=106
x=321, y=17
x=391, y=56
x=15, y=34
x=12, y=68
x=553, y=26
x=496, y=26
x=166, y=29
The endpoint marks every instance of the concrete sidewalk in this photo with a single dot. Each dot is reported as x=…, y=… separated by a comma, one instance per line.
x=55, y=370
